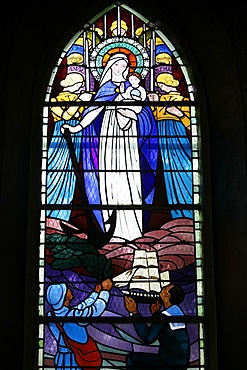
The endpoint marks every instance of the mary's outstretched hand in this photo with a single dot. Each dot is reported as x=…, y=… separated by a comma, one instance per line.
x=85, y=96
x=72, y=129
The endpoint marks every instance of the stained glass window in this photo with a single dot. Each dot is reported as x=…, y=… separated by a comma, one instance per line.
x=120, y=261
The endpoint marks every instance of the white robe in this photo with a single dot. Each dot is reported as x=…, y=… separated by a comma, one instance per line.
x=119, y=173
x=119, y=163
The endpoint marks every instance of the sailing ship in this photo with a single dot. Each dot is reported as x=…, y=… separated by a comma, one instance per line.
x=143, y=282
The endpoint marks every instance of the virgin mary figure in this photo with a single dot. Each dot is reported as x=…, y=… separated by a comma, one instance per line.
x=119, y=154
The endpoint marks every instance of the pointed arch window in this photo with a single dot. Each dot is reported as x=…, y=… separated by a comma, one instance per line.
x=120, y=247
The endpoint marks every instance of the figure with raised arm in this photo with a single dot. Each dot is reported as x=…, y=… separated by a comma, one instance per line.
x=174, y=348
x=59, y=296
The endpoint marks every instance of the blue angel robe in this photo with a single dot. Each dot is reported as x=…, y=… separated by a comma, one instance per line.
x=61, y=178
x=176, y=157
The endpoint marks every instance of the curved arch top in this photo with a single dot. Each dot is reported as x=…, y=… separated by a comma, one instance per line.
x=116, y=28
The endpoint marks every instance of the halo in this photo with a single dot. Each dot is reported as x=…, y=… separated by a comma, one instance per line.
x=137, y=55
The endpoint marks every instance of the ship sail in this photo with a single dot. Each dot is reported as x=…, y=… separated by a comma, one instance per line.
x=144, y=279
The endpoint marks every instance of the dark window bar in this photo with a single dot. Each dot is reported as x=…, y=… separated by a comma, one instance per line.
x=119, y=103
x=121, y=320
x=112, y=206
